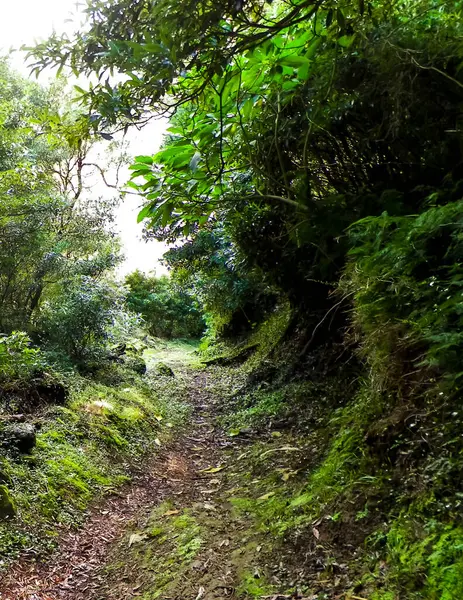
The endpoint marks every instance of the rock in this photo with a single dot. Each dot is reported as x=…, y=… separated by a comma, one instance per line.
x=13, y=418
x=22, y=436
x=163, y=369
x=135, y=363
x=8, y=507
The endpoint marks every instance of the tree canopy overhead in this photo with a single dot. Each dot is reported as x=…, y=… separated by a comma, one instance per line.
x=290, y=120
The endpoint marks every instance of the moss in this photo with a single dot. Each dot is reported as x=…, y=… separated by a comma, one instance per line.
x=163, y=369
x=83, y=450
x=161, y=552
x=264, y=338
x=8, y=508
x=425, y=559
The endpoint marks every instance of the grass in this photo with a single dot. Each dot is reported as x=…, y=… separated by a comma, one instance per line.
x=174, y=353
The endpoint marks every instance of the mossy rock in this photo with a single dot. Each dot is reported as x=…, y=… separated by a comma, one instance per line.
x=136, y=364
x=21, y=436
x=165, y=370
x=8, y=507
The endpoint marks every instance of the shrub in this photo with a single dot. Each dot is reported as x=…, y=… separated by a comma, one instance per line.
x=167, y=310
x=406, y=278
x=18, y=360
x=78, y=319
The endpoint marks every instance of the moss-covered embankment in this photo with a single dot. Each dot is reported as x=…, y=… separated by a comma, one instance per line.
x=80, y=451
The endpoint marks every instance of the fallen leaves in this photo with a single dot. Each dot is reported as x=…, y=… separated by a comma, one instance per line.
x=265, y=496
x=201, y=593
x=281, y=449
x=136, y=538
x=213, y=469
x=169, y=513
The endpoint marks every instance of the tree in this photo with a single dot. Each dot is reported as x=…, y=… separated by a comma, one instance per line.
x=168, y=311
x=76, y=320
x=293, y=121
x=49, y=233
x=233, y=295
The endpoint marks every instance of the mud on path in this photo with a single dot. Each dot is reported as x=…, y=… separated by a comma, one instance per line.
x=77, y=569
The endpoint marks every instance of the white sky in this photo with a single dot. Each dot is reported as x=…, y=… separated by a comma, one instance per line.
x=23, y=22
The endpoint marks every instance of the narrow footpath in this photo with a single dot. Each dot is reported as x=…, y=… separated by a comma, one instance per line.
x=181, y=473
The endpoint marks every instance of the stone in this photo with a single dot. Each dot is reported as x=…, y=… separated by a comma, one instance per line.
x=8, y=507
x=163, y=369
x=22, y=436
x=136, y=364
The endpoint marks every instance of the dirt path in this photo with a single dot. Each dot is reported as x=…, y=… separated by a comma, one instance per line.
x=75, y=571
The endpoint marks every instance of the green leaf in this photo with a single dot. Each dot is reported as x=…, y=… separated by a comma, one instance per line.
x=303, y=72
x=145, y=212
x=346, y=40
x=294, y=61
x=148, y=160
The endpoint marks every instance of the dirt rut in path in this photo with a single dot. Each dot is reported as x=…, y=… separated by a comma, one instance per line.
x=75, y=571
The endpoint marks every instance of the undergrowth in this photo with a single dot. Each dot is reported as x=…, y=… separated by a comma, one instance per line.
x=360, y=475
x=84, y=449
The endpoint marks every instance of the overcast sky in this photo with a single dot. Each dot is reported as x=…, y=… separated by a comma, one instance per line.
x=23, y=22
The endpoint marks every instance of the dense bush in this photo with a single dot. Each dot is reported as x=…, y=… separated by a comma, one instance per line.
x=167, y=310
x=78, y=319
x=406, y=280
x=233, y=295
x=18, y=359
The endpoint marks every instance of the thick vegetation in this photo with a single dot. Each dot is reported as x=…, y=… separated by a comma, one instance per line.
x=75, y=413
x=168, y=311
x=311, y=184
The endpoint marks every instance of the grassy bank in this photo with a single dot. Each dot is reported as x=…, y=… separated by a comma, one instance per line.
x=85, y=449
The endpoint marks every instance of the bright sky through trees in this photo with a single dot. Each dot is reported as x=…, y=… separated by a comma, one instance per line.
x=25, y=21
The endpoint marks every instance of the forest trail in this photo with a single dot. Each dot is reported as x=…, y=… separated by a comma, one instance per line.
x=185, y=473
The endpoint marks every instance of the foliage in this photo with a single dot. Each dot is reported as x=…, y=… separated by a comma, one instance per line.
x=18, y=360
x=48, y=234
x=233, y=296
x=406, y=281
x=167, y=310
x=78, y=319
x=288, y=120
x=155, y=45
x=408, y=542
